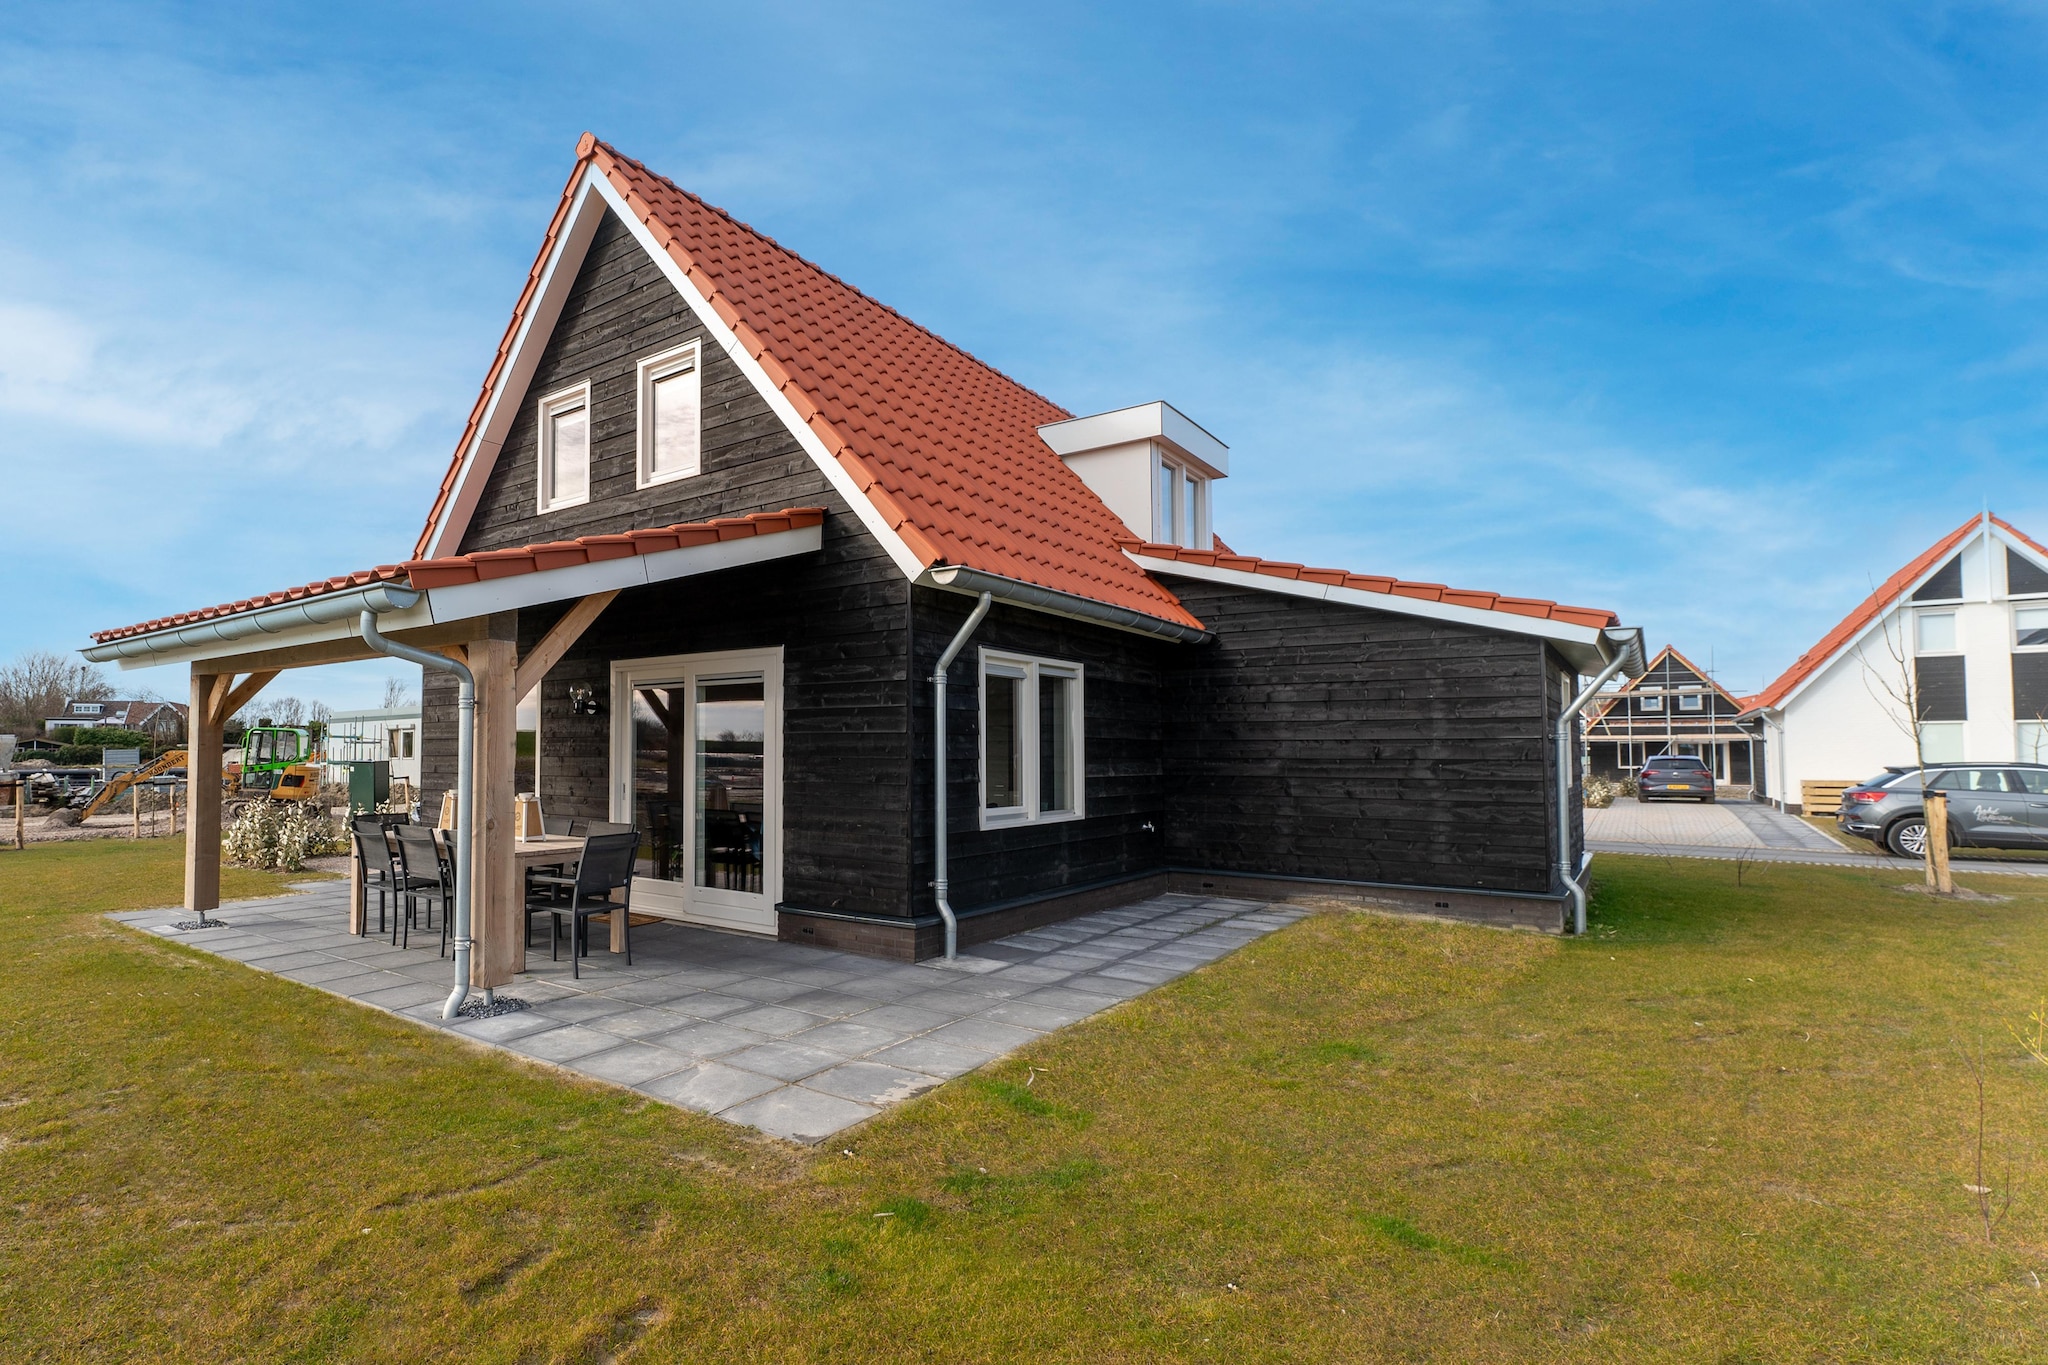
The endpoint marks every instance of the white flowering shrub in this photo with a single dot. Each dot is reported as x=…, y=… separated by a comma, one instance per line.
x=280, y=836
x=1600, y=792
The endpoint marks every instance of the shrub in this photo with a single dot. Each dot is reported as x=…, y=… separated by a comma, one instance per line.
x=1601, y=791
x=280, y=836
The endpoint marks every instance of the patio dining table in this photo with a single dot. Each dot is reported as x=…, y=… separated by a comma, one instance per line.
x=526, y=853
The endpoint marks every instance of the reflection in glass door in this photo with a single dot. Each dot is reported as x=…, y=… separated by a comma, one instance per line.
x=698, y=756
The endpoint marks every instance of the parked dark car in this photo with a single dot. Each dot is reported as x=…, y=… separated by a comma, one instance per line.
x=1677, y=775
x=1990, y=805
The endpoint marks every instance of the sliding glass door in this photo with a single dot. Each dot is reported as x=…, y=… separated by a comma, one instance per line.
x=697, y=769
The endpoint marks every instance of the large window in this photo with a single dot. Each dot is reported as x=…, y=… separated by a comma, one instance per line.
x=2030, y=627
x=1941, y=742
x=671, y=415
x=565, y=448
x=1032, y=753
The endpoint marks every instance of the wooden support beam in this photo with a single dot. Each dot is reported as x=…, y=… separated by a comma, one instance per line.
x=558, y=641
x=202, y=790
x=499, y=893
x=240, y=695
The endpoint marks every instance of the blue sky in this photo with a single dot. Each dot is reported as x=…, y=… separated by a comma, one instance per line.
x=1708, y=314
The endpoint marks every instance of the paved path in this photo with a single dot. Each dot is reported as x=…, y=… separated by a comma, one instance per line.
x=1751, y=830
x=795, y=1041
x=1692, y=824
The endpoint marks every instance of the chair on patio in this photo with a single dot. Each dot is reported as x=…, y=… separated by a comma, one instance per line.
x=605, y=866
x=380, y=867
x=427, y=876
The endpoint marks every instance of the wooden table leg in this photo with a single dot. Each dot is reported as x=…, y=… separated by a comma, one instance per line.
x=617, y=925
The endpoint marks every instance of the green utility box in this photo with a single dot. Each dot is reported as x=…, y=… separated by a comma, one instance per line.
x=369, y=785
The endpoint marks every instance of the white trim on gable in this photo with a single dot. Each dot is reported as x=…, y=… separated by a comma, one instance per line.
x=593, y=196
x=1580, y=644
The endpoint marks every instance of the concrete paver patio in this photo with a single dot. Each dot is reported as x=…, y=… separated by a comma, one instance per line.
x=795, y=1041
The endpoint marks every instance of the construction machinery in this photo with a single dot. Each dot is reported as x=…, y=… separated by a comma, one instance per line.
x=280, y=761
x=121, y=782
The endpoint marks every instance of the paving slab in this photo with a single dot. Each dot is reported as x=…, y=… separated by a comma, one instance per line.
x=798, y=1042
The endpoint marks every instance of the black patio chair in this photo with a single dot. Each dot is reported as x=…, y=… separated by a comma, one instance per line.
x=429, y=875
x=380, y=866
x=605, y=866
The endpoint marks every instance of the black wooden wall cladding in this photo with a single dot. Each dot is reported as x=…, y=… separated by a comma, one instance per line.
x=1325, y=741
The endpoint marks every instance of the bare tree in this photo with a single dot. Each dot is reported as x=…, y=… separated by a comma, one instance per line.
x=38, y=683
x=1895, y=686
x=274, y=710
x=398, y=696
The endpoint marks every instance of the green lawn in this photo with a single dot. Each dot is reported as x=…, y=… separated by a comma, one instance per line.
x=1731, y=1125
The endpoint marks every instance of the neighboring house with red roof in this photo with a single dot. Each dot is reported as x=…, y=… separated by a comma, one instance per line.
x=726, y=511
x=1675, y=707
x=162, y=721
x=1961, y=630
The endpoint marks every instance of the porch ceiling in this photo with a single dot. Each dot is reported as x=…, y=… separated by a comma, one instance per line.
x=440, y=601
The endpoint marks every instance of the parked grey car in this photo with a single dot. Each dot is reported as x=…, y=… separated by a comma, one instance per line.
x=1990, y=805
x=1675, y=775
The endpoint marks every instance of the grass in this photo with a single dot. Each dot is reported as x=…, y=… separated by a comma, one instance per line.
x=1731, y=1124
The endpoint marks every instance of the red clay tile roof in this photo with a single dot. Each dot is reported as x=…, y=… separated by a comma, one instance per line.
x=944, y=446
x=1341, y=578
x=488, y=564
x=1868, y=610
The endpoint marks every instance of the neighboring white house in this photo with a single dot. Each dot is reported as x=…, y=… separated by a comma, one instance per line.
x=1969, y=616
x=394, y=735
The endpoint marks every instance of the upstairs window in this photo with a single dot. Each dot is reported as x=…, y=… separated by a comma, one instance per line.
x=1935, y=632
x=1651, y=705
x=2030, y=627
x=565, y=449
x=1180, y=506
x=671, y=415
x=1032, y=755
x=1691, y=701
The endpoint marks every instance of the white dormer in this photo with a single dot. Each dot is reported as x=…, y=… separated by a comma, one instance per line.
x=1150, y=464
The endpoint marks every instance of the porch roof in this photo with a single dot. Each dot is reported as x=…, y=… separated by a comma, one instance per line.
x=425, y=592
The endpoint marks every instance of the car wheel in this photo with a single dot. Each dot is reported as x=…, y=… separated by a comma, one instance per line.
x=1907, y=837
x=1708, y=798
x=1642, y=800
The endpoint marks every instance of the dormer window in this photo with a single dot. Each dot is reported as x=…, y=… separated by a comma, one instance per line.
x=1180, y=506
x=565, y=449
x=671, y=415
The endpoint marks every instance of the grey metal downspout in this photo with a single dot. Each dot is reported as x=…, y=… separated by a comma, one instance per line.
x=939, y=887
x=465, y=792
x=1630, y=650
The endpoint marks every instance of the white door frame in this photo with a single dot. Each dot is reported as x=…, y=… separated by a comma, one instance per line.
x=684, y=900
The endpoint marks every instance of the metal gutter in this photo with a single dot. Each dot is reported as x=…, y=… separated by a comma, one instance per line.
x=1627, y=643
x=325, y=610
x=939, y=883
x=954, y=578
x=465, y=791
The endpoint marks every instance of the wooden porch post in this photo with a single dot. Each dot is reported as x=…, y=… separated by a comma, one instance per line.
x=498, y=911
x=202, y=791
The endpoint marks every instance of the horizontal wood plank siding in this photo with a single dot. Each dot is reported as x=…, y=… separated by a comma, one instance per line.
x=1121, y=690
x=1317, y=740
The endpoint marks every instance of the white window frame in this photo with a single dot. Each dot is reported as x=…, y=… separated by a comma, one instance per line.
x=2025, y=604
x=560, y=401
x=1171, y=513
x=1032, y=668
x=1692, y=701
x=1651, y=703
x=685, y=359
x=1956, y=625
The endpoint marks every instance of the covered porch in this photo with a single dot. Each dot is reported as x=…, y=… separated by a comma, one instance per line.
x=464, y=609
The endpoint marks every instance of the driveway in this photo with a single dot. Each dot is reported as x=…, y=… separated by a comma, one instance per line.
x=1688, y=824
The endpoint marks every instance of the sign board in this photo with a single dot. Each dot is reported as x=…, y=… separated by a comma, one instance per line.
x=121, y=758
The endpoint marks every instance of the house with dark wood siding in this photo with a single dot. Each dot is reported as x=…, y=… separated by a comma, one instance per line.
x=1675, y=707
x=719, y=516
